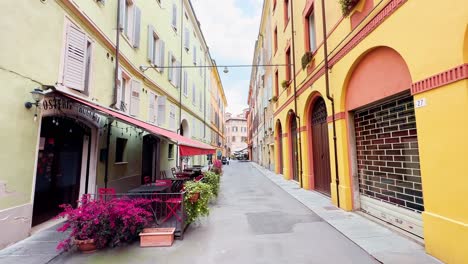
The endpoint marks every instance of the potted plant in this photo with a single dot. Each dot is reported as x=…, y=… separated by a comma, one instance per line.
x=306, y=59
x=97, y=224
x=200, y=207
x=274, y=98
x=217, y=167
x=347, y=6
x=213, y=180
x=284, y=84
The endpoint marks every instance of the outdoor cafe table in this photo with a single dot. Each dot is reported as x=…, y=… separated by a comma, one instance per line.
x=150, y=188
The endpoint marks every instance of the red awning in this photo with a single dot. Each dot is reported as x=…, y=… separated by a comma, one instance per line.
x=187, y=146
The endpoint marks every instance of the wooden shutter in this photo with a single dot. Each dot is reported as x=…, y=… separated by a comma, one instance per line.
x=161, y=110
x=151, y=44
x=75, y=58
x=177, y=74
x=162, y=52
x=172, y=117
x=194, y=55
x=194, y=96
x=122, y=14
x=185, y=83
x=135, y=98
x=152, y=102
x=137, y=26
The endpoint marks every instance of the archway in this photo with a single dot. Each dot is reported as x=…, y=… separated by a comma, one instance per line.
x=384, y=141
x=320, y=159
x=293, y=130
x=279, y=143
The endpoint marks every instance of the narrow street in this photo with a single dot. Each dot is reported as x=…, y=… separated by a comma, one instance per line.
x=253, y=221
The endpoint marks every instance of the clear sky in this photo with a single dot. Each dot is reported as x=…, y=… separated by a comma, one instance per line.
x=231, y=28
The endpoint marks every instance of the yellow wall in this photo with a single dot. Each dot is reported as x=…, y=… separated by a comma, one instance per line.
x=442, y=128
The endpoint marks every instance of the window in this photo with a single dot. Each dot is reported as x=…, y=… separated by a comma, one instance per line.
x=152, y=107
x=161, y=110
x=170, y=153
x=174, y=16
x=194, y=95
x=130, y=19
x=185, y=88
x=287, y=12
x=135, y=98
x=311, y=32
x=173, y=73
x=172, y=117
x=194, y=55
x=187, y=39
x=233, y=139
x=274, y=5
x=288, y=64
x=123, y=90
x=276, y=84
x=156, y=48
x=200, y=100
x=77, y=59
x=275, y=39
x=120, y=145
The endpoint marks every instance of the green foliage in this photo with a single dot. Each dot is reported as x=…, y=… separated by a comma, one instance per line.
x=306, y=58
x=200, y=207
x=284, y=84
x=213, y=180
x=347, y=6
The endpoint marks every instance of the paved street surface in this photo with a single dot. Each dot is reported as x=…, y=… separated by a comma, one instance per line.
x=253, y=221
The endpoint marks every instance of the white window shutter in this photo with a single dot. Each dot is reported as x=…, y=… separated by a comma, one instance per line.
x=152, y=102
x=121, y=13
x=151, y=44
x=177, y=74
x=137, y=26
x=135, y=98
x=161, y=110
x=172, y=117
x=75, y=58
x=194, y=94
x=162, y=51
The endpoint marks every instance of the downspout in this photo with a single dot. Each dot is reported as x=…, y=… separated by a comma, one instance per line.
x=117, y=53
x=178, y=159
x=106, y=169
x=298, y=141
x=327, y=87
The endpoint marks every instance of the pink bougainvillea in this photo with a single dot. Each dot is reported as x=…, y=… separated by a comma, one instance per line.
x=109, y=223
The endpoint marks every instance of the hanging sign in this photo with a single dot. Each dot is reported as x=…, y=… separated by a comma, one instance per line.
x=58, y=105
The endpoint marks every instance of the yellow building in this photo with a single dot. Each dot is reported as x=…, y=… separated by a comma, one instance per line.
x=218, y=104
x=118, y=106
x=376, y=121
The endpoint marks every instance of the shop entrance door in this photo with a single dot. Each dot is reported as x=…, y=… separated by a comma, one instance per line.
x=58, y=167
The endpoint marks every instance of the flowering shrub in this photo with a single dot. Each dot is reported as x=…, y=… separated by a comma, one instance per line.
x=109, y=223
x=212, y=179
x=200, y=207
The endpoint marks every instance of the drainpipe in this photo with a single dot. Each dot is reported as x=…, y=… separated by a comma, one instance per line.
x=106, y=170
x=298, y=141
x=178, y=159
x=327, y=87
x=117, y=52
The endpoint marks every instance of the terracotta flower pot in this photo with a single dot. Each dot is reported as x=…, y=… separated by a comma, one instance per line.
x=86, y=246
x=194, y=197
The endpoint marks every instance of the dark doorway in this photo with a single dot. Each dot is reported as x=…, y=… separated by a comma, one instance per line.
x=58, y=167
x=320, y=149
x=280, y=147
x=150, y=158
x=293, y=141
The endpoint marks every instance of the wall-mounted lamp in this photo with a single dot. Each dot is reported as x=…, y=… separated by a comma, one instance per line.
x=225, y=70
x=37, y=95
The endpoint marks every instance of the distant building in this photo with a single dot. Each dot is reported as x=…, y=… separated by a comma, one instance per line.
x=236, y=133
